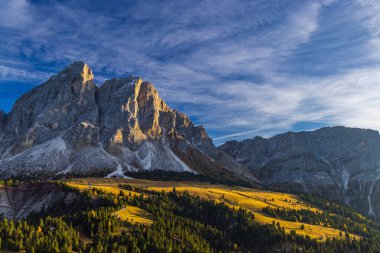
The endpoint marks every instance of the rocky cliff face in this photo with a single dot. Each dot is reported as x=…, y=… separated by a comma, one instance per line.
x=19, y=202
x=337, y=163
x=68, y=125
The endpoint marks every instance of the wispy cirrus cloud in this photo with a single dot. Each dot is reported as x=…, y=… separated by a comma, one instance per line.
x=12, y=74
x=241, y=68
x=351, y=100
x=14, y=14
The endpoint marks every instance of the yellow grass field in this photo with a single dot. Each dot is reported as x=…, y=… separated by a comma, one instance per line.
x=134, y=215
x=109, y=189
x=251, y=199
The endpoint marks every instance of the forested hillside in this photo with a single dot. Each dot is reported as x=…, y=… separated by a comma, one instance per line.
x=127, y=217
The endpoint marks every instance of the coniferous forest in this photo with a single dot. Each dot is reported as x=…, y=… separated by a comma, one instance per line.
x=182, y=223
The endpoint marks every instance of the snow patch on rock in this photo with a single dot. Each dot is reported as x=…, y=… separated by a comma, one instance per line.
x=117, y=173
x=345, y=178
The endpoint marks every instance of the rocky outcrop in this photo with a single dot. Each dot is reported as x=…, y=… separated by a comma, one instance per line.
x=130, y=112
x=82, y=134
x=68, y=125
x=19, y=202
x=337, y=163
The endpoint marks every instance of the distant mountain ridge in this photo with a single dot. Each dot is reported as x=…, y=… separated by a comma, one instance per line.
x=69, y=125
x=337, y=163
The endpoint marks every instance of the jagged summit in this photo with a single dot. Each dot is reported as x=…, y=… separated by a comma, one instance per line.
x=78, y=67
x=67, y=125
x=77, y=70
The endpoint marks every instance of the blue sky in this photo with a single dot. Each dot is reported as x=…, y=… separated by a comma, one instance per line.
x=240, y=68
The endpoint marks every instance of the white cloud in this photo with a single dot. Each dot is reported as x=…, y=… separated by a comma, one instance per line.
x=351, y=99
x=16, y=74
x=372, y=14
x=226, y=59
x=14, y=13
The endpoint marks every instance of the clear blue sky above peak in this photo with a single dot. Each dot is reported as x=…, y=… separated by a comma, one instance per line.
x=240, y=68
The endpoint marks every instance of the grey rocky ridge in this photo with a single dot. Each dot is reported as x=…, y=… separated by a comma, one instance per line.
x=70, y=126
x=337, y=163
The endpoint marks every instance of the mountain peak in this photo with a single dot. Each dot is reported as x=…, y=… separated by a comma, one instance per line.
x=78, y=68
x=65, y=99
x=68, y=125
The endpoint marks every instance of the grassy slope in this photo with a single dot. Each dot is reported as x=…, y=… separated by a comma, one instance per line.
x=134, y=215
x=250, y=199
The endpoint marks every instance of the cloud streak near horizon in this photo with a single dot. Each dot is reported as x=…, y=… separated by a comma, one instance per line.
x=240, y=68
